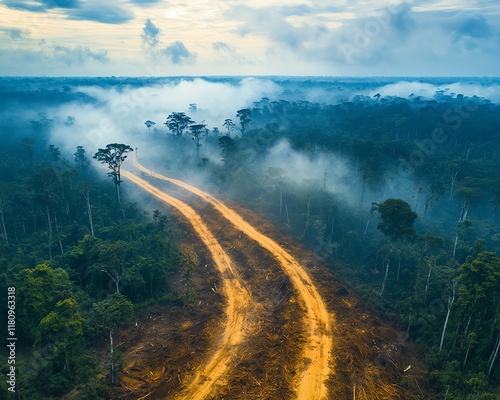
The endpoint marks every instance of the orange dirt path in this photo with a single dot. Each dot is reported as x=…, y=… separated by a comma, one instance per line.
x=313, y=374
x=238, y=309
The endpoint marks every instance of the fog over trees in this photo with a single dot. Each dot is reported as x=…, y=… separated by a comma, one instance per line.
x=400, y=194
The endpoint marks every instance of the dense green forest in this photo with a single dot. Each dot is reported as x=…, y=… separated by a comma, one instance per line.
x=401, y=196
x=80, y=264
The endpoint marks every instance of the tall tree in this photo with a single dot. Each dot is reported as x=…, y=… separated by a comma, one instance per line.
x=85, y=188
x=177, y=122
x=230, y=126
x=114, y=155
x=396, y=222
x=63, y=329
x=245, y=118
x=40, y=289
x=44, y=182
x=80, y=158
x=277, y=177
x=115, y=310
x=149, y=124
x=55, y=153
x=228, y=147
x=479, y=293
x=434, y=192
x=4, y=190
x=451, y=300
x=397, y=219
x=480, y=281
x=197, y=130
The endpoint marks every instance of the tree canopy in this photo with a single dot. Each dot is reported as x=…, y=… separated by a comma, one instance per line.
x=397, y=219
x=114, y=155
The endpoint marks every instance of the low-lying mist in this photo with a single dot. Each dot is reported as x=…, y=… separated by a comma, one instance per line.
x=90, y=114
x=119, y=114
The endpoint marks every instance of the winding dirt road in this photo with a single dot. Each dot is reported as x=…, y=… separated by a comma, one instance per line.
x=238, y=309
x=315, y=368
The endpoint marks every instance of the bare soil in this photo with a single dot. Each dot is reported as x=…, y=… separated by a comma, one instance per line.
x=163, y=350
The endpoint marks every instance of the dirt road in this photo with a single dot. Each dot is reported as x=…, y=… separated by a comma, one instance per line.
x=238, y=310
x=315, y=368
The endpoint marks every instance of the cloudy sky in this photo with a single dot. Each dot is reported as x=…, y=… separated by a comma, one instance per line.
x=233, y=37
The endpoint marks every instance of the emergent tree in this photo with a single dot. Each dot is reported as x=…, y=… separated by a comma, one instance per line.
x=396, y=222
x=114, y=155
x=177, y=122
x=245, y=118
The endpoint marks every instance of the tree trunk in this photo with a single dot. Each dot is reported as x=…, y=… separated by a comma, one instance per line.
x=86, y=194
x=366, y=226
x=112, y=356
x=453, y=181
x=118, y=194
x=409, y=324
x=2, y=234
x=455, y=337
x=494, y=321
x=451, y=300
x=428, y=279
x=387, y=269
x=456, y=241
x=49, y=221
x=115, y=280
x=49, y=242
x=494, y=355
x=50, y=230
x=468, y=350
x=4, y=229
x=385, y=276
x=363, y=188
x=89, y=212
x=469, y=320
x=445, y=325
x=464, y=210
x=58, y=234
x=467, y=354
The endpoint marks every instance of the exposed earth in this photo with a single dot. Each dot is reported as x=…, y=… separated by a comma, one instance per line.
x=269, y=319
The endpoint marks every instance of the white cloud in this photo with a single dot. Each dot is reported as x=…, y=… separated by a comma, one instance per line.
x=304, y=37
x=178, y=53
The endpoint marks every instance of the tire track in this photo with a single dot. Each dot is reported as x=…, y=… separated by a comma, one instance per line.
x=238, y=309
x=315, y=368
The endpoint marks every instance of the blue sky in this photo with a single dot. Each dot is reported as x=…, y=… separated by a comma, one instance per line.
x=294, y=37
